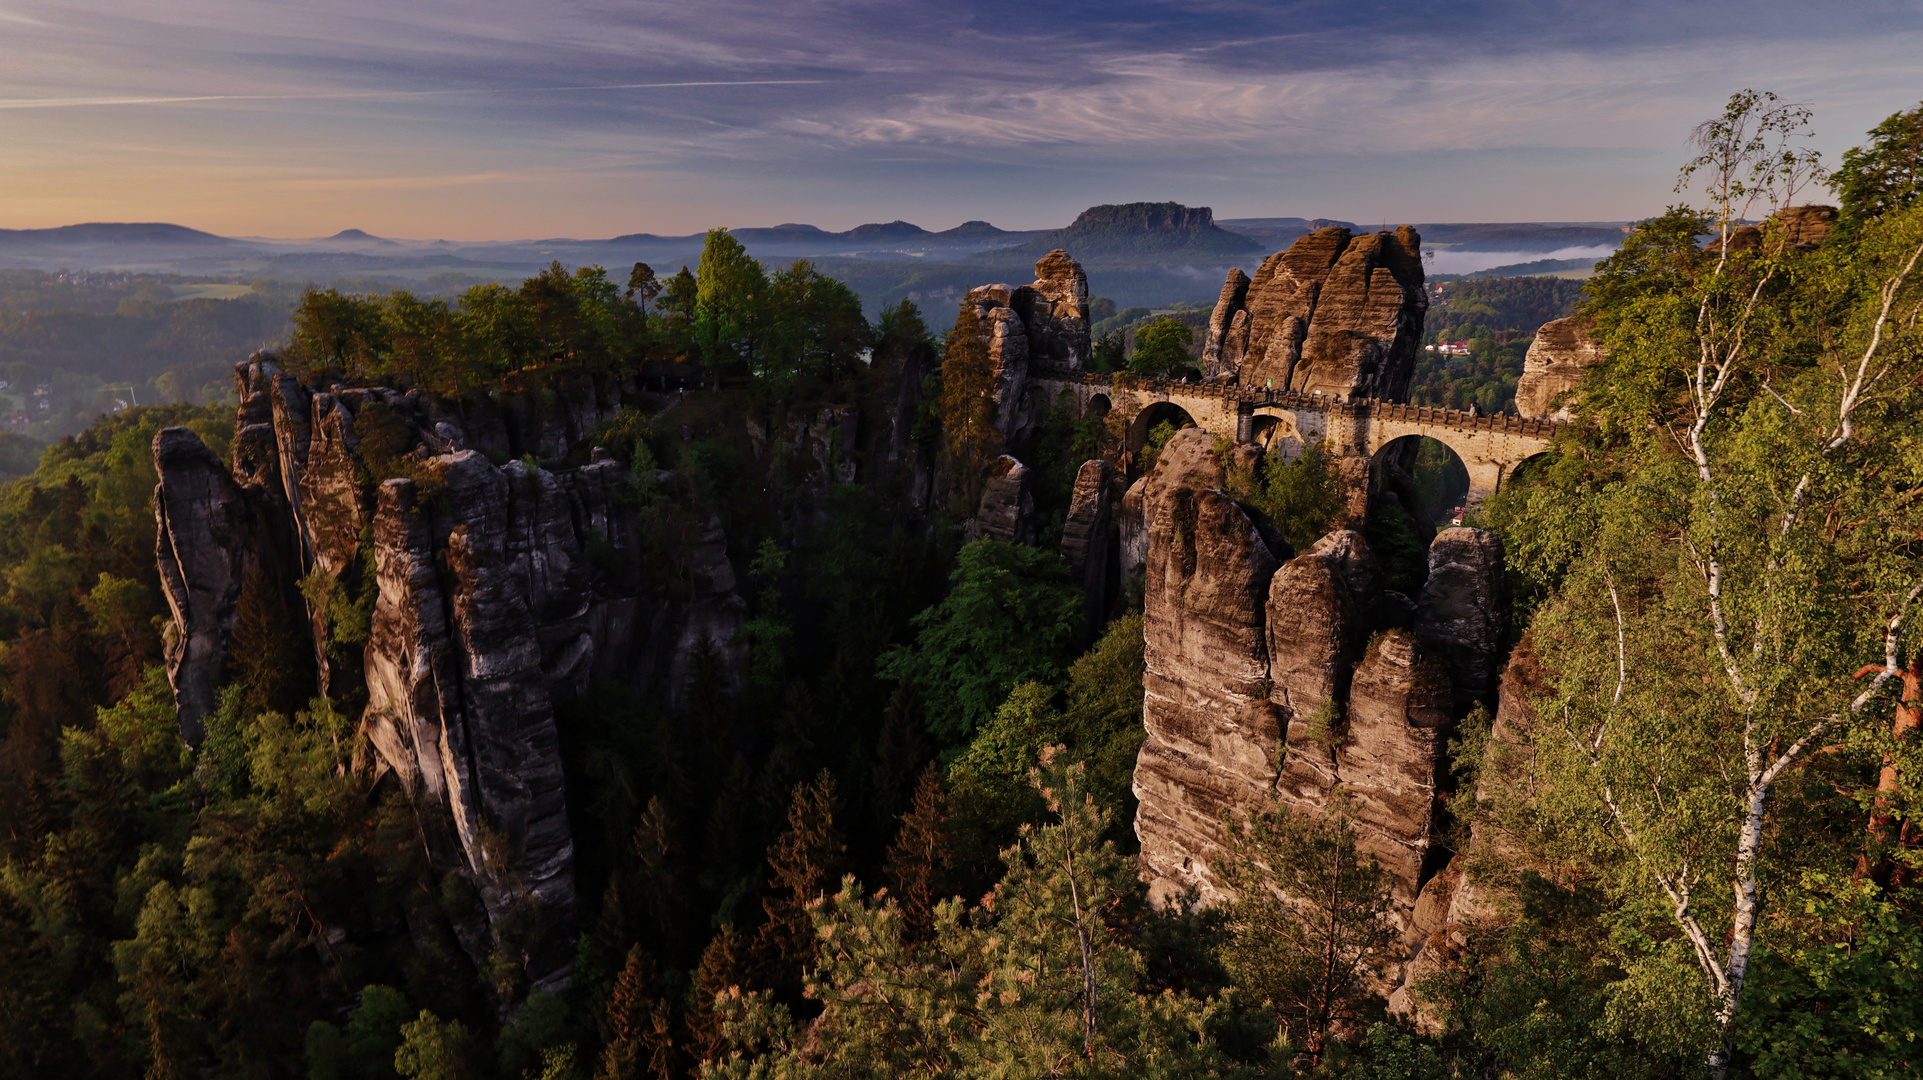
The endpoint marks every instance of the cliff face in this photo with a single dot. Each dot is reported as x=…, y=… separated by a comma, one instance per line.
x=1335, y=313
x=496, y=589
x=1045, y=322
x=1301, y=682
x=1554, y=367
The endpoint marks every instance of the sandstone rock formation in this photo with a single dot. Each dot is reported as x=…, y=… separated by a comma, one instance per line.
x=497, y=590
x=1802, y=228
x=1007, y=509
x=1458, y=902
x=202, y=517
x=1806, y=227
x=1279, y=692
x=1463, y=612
x=1554, y=367
x=1042, y=323
x=1187, y=461
x=1050, y=315
x=1333, y=314
x=1212, y=732
x=1086, y=540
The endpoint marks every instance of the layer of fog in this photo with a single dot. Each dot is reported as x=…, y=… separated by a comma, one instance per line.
x=1445, y=261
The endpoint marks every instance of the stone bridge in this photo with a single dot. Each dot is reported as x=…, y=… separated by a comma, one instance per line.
x=1490, y=447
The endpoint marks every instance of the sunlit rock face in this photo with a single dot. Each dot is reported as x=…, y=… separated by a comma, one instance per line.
x=1334, y=314
x=504, y=577
x=1302, y=681
x=1553, y=369
x=1045, y=323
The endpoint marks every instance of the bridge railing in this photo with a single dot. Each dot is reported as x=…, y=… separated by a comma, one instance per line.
x=1461, y=420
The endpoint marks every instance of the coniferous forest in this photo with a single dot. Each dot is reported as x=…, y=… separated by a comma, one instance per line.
x=887, y=828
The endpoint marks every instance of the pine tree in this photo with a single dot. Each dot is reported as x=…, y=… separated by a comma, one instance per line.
x=919, y=856
x=807, y=861
x=636, y=1030
x=968, y=403
x=724, y=968
x=1309, y=919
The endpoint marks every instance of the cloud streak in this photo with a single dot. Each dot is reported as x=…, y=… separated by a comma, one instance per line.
x=375, y=95
x=659, y=116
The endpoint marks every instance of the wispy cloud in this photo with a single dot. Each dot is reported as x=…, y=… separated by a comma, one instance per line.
x=371, y=95
x=882, y=108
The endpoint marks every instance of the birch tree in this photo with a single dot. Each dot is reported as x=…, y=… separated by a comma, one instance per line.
x=1750, y=557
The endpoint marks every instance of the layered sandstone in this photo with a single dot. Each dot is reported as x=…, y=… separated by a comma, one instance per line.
x=1045, y=322
x=1213, y=734
x=1086, y=537
x=1553, y=369
x=1334, y=314
x=1324, y=689
x=1463, y=613
x=1007, y=508
x=498, y=590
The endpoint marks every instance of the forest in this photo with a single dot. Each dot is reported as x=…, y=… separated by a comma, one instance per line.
x=901, y=842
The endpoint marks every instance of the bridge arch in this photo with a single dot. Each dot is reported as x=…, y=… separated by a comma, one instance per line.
x=1429, y=478
x=1097, y=405
x=1276, y=433
x=1154, y=414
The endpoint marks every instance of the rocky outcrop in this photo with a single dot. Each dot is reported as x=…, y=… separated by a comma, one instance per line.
x=203, y=520
x=1463, y=613
x=496, y=591
x=1460, y=901
x=1554, y=368
x=1798, y=228
x=1007, y=509
x=1050, y=315
x=1086, y=539
x=1213, y=734
x=1327, y=688
x=1334, y=314
x=1042, y=323
x=1806, y=227
x=1389, y=757
x=1187, y=461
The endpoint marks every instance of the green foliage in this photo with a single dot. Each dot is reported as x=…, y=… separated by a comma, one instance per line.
x=1540, y=997
x=1302, y=498
x=434, y=1049
x=1011, y=617
x=1717, y=557
x=1163, y=349
x=1887, y=174
x=365, y=1050
x=487, y=336
x=1309, y=920
x=1035, y=982
x=1841, y=994
x=814, y=329
x=1098, y=720
x=1158, y=437
x=728, y=302
x=967, y=408
x=1399, y=547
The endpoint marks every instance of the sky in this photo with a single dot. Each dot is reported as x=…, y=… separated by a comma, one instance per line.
x=519, y=119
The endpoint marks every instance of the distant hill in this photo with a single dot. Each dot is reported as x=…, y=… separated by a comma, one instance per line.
x=115, y=233
x=1133, y=230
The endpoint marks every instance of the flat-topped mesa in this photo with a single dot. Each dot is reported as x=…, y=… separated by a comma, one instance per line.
x=1334, y=314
